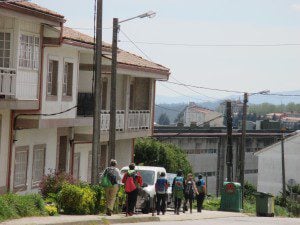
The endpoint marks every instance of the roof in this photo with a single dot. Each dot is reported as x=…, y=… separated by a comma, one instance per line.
x=124, y=57
x=33, y=9
x=290, y=137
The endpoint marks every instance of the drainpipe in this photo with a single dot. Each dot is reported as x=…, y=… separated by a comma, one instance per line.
x=153, y=108
x=11, y=141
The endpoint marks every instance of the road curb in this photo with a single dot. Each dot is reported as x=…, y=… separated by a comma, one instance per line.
x=106, y=221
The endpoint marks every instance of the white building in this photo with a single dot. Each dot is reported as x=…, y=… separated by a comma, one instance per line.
x=194, y=114
x=46, y=101
x=270, y=169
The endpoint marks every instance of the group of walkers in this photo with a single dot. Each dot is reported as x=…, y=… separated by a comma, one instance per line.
x=182, y=189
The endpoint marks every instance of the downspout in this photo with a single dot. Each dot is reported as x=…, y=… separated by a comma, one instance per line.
x=153, y=108
x=11, y=141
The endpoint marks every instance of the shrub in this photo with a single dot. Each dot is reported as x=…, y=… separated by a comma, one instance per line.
x=249, y=191
x=51, y=210
x=212, y=203
x=53, y=182
x=15, y=206
x=77, y=200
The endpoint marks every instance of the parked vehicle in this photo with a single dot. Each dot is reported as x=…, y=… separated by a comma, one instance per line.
x=147, y=192
x=170, y=177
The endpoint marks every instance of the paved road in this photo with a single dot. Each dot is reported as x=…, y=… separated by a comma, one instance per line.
x=231, y=221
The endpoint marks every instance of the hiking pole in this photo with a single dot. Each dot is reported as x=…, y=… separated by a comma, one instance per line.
x=126, y=205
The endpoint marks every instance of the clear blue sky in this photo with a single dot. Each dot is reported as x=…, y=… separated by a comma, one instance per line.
x=206, y=22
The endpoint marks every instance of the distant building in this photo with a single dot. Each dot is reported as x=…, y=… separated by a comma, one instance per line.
x=206, y=150
x=198, y=116
x=269, y=165
x=288, y=120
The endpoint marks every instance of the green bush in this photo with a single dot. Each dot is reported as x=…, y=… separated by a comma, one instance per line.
x=77, y=200
x=16, y=206
x=212, y=203
x=51, y=210
x=281, y=211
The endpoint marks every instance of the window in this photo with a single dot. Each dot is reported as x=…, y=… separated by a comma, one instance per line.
x=52, y=77
x=5, y=49
x=38, y=165
x=29, y=51
x=76, y=166
x=68, y=79
x=251, y=171
x=21, y=163
x=209, y=174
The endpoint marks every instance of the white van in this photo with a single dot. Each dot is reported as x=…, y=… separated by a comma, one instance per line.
x=149, y=175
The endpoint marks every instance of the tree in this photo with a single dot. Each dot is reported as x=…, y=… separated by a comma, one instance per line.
x=150, y=152
x=164, y=119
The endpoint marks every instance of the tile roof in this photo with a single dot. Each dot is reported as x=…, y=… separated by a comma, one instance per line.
x=124, y=57
x=36, y=7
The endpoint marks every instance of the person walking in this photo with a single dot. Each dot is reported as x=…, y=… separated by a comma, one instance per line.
x=201, y=187
x=177, y=191
x=113, y=176
x=190, y=190
x=161, y=187
x=132, y=181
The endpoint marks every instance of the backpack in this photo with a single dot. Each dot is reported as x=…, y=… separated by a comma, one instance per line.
x=130, y=183
x=110, y=172
x=108, y=178
x=200, y=185
x=178, y=183
x=189, y=188
x=161, y=185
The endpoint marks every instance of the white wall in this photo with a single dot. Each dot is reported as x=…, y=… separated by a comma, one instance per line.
x=269, y=166
x=36, y=137
x=61, y=54
x=124, y=152
x=4, y=145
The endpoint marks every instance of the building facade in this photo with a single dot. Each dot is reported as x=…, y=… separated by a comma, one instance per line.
x=46, y=98
x=270, y=165
x=206, y=151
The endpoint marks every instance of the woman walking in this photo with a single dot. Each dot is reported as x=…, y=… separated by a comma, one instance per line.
x=190, y=190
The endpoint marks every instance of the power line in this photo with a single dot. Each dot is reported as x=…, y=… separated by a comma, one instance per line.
x=146, y=55
x=217, y=45
x=191, y=128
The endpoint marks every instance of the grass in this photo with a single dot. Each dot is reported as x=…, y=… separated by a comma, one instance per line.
x=14, y=206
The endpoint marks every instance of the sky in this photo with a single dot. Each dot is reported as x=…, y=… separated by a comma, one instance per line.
x=202, y=22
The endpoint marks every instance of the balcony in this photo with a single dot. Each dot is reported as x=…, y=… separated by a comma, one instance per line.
x=7, y=81
x=137, y=119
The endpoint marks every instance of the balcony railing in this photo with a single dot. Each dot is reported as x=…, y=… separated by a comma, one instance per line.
x=137, y=119
x=7, y=81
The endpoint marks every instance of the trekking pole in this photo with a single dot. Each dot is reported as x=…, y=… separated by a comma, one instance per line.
x=126, y=205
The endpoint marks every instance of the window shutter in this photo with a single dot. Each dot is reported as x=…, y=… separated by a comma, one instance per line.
x=70, y=79
x=54, y=78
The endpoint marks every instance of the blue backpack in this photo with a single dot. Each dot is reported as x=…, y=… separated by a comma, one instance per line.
x=161, y=185
x=178, y=184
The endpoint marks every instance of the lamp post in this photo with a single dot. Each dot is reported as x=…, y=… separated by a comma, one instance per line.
x=112, y=125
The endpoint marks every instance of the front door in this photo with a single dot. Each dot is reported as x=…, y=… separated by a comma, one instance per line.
x=62, y=160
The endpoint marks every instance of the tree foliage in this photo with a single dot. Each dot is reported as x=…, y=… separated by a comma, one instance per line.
x=164, y=119
x=150, y=152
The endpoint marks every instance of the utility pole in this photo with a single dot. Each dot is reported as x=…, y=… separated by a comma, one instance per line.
x=97, y=96
x=243, y=145
x=229, y=154
x=113, y=90
x=283, y=169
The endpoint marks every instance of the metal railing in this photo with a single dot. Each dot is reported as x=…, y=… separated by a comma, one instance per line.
x=139, y=119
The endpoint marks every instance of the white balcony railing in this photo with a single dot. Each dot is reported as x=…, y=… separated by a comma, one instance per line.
x=139, y=119
x=7, y=81
x=120, y=120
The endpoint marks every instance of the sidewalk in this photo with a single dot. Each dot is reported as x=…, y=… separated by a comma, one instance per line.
x=121, y=218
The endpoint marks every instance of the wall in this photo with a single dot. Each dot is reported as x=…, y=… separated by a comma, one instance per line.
x=52, y=106
x=269, y=166
x=4, y=147
x=36, y=137
x=124, y=152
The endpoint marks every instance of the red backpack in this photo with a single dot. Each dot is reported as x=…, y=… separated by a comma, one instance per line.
x=130, y=183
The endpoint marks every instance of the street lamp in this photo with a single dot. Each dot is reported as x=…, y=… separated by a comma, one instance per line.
x=112, y=127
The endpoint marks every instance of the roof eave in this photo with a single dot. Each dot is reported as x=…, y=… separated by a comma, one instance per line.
x=32, y=12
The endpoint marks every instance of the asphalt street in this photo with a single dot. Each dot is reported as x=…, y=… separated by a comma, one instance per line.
x=232, y=221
